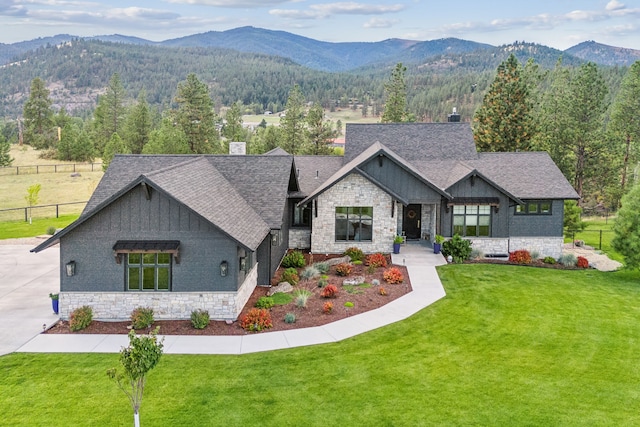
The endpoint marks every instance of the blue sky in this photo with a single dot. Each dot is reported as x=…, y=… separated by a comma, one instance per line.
x=558, y=23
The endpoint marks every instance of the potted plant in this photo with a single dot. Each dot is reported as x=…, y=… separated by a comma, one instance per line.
x=54, y=302
x=437, y=245
x=396, y=244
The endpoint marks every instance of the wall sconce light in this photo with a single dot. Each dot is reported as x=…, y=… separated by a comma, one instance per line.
x=70, y=268
x=224, y=268
x=275, y=237
x=243, y=264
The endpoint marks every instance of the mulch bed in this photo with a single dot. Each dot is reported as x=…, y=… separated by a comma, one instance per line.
x=363, y=298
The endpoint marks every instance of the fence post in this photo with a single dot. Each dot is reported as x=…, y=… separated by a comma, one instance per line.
x=57, y=216
x=25, y=215
x=600, y=245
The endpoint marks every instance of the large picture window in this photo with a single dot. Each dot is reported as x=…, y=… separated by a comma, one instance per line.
x=354, y=223
x=537, y=207
x=472, y=220
x=148, y=272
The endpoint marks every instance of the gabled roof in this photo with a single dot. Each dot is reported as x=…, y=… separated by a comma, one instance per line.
x=413, y=141
x=313, y=171
x=372, y=151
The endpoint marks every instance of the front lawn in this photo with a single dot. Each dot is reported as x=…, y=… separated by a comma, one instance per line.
x=507, y=346
x=38, y=226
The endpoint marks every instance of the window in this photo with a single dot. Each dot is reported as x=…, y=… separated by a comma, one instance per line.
x=301, y=216
x=354, y=223
x=472, y=220
x=148, y=271
x=540, y=207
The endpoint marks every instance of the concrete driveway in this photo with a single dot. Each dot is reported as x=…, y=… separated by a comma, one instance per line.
x=26, y=280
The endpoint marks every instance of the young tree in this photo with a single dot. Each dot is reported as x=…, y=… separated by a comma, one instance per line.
x=292, y=124
x=137, y=125
x=115, y=146
x=5, y=149
x=627, y=228
x=140, y=357
x=504, y=121
x=109, y=114
x=33, y=193
x=395, y=109
x=625, y=120
x=196, y=117
x=320, y=132
x=38, y=117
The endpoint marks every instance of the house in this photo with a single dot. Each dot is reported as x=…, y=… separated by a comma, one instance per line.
x=184, y=232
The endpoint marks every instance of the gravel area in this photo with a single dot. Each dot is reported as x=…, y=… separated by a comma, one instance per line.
x=596, y=258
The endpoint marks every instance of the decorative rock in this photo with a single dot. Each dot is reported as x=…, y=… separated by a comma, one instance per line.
x=282, y=287
x=357, y=280
x=336, y=261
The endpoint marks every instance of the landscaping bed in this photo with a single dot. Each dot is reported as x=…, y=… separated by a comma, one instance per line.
x=364, y=298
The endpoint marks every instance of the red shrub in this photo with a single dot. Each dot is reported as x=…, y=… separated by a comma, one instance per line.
x=329, y=291
x=521, y=256
x=376, y=260
x=327, y=307
x=344, y=269
x=257, y=319
x=393, y=275
x=582, y=262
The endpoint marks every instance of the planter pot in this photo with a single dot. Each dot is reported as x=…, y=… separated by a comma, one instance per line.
x=437, y=247
x=54, y=305
x=396, y=248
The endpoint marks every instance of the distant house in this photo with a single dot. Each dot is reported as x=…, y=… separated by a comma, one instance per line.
x=182, y=232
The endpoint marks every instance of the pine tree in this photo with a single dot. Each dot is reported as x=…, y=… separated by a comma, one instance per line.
x=232, y=129
x=138, y=125
x=196, y=117
x=38, y=117
x=115, y=146
x=627, y=228
x=320, y=132
x=82, y=149
x=5, y=152
x=109, y=114
x=504, y=121
x=395, y=108
x=292, y=124
x=68, y=137
x=168, y=139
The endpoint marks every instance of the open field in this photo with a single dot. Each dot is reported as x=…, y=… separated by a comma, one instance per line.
x=345, y=115
x=507, y=346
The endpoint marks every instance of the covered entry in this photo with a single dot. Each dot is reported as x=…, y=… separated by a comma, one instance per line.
x=412, y=216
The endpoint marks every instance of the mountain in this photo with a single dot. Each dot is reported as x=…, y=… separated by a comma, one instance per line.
x=604, y=54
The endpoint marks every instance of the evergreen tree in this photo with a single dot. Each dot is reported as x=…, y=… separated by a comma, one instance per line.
x=265, y=139
x=82, y=149
x=38, y=117
x=395, y=108
x=233, y=129
x=196, y=117
x=115, y=146
x=292, y=124
x=625, y=120
x=138, y=125
x=320, y=132
x=109, y=114
x=627, y=228
x=5, y=152
x=68, y=137
x=504, y=121
x=168, y=139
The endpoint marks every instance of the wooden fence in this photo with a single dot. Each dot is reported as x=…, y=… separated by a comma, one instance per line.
x=41, y=211
x=57, y=168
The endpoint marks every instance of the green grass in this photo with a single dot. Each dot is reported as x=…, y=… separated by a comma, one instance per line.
x=39, y=226
x=281, y=298
x=591, y=236
x=507, y=346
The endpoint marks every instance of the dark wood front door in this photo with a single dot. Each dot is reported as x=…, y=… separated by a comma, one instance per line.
x=411, y=221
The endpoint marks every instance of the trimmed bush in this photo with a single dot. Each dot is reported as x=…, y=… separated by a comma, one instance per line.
x=265, y=302
x=290, y=275
x=256, y=319
x=200, y=319
x=293, y=259
x=142, y=317
x=354, y=253
x=330, y=291
x=521, y=256
x=458, y=248
x=81, y=317
x=51, y=230
x=582, y=262
x=290, y=318
x=393, y=275
x=344, y=269
x=376, y=260
x=549, y=260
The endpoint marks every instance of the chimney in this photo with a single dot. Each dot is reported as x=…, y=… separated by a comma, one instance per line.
x=453, y=117
x=238, y=148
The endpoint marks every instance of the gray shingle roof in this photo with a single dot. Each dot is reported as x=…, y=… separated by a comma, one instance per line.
x=313, y=171
x=413, y=141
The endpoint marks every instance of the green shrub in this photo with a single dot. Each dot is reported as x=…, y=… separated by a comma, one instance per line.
x=51, y=230
x=309, y=273
x=568, y=260
x=549, y=260
x=265, y=302
x=322, y=267
x=457, y=247
x=81, y=317
x=290, y=318
x=301, y=297
x=354, y=253
x=200, y=319
x=290, y=275
x=293, y=259
x=142, y=317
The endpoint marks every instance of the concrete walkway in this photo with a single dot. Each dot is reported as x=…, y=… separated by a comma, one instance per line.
x=427, y=288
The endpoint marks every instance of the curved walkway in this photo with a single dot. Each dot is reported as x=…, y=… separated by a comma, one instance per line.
x=427, y=288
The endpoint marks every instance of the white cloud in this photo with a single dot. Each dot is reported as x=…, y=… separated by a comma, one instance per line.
x=380, y=23
x=232, y=3
x=321, y=11
x=614, y=5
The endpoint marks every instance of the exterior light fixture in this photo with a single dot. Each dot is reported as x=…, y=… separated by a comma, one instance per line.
x=275, y=237
x=70, y=267
x=243, y=264
x=224, y=268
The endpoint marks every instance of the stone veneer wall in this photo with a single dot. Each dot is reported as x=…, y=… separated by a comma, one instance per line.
x=354, y=190
x=165, y=305
x=545, y=246
x=299, y=238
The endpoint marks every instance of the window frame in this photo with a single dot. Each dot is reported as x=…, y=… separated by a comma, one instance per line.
x=468, y=214
x=534, y=208
x=301, y=216
x=144, y=266
x=354, y=215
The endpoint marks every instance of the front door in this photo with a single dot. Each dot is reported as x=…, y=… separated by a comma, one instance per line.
x=411, y=221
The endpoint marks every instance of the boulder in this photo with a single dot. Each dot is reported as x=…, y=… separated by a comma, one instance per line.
x=282, y=287
x=356, y=280
x=336, y=261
